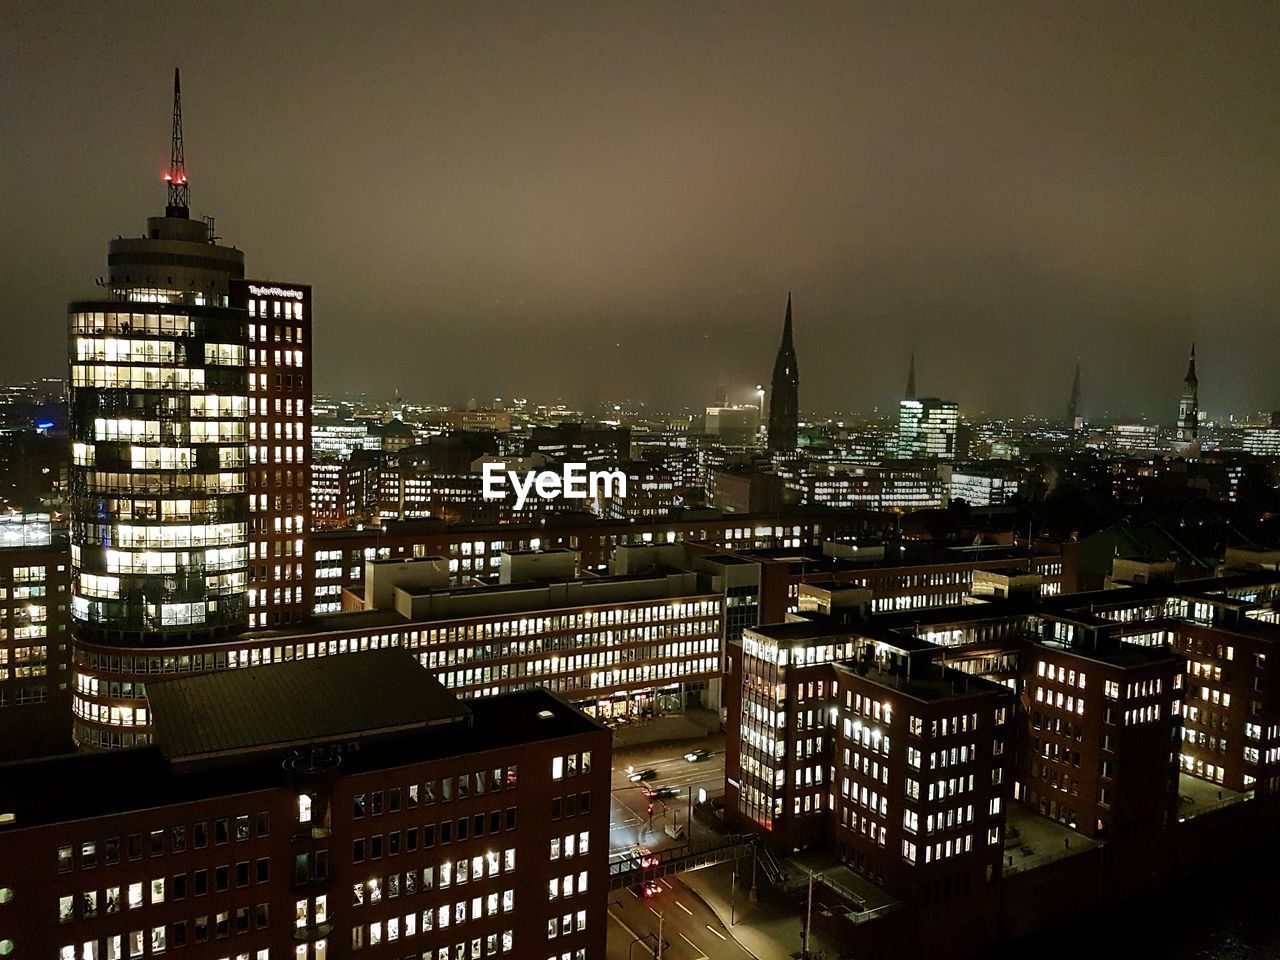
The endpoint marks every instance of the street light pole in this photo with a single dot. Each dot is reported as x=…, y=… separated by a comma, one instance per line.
x=733, y=891
x=689, y=822
x=659, y=954
x=808, y=918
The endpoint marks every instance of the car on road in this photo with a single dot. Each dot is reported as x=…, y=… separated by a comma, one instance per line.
x=639, y=776
x=644, y=855
x=650, y=888
x=661, y=793
x=697, y=756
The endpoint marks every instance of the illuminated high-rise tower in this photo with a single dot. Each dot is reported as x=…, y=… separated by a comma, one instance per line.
x=784, y=397
x=158, y=507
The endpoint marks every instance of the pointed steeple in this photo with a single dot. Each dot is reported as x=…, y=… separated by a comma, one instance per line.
x=1073, y=407
x=1189, y=406
x=178, y=201
x=784, y=402
x=911, y=378
x=786, y=327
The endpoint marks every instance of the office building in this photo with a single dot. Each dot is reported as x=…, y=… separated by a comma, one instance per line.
x=927, y=428
x=278, y=477
x=158, y=403
x=873, y=748
x=733, y=424
x=339, y=808
x=35, y=642
x=475, y=550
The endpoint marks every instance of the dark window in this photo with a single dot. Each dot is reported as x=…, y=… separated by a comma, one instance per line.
x=135, y=846
x=221, y=878
x=201, y=885
x=393, y=843
x=375, y=847
x=511, y=818
x=357, y=851
x=446, y=831
x=179, y=886
x=411, y=839
x=221, y=831
x=264, y=823
x=201, y=835
x=242, y=873
x=429, y=835
x=264, y=870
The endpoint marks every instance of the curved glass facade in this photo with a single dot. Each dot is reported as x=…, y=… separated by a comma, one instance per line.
x=158, y=508
x=159, y=515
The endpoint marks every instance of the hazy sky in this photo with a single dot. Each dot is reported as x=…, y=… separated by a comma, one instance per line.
x=609, y=199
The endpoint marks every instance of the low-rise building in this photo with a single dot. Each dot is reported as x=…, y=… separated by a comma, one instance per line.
x=316, y=810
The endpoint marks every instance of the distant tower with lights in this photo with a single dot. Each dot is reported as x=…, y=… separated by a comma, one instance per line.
x=1189, y=406
x=784, y=396
x=158, y=510
x=1073, y=405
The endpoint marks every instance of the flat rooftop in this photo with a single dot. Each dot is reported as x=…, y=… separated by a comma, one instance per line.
x=323, y=700
x=41, y=791
x=926, y=681
x=1116, y=653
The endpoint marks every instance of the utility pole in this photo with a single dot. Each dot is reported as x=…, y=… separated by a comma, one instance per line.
x=754, y=894
x=659, y=954
x=808, y=919
x=689, y=822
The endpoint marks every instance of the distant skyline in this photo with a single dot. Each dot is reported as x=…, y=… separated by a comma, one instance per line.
x=595, y=200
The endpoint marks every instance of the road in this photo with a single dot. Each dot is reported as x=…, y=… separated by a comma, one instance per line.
x=690, y=930
x=629, y=819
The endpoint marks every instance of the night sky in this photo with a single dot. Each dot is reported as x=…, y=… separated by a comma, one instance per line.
x=613, y=199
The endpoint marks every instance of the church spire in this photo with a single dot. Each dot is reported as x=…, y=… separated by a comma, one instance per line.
x=784, y=403
x=1188, y=429
x=1073, y=406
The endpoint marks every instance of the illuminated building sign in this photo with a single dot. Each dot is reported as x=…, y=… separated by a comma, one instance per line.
x=274, y=292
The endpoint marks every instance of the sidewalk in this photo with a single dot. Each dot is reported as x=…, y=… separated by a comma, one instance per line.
x=768, y=930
